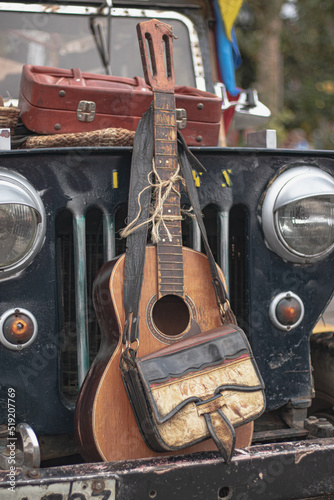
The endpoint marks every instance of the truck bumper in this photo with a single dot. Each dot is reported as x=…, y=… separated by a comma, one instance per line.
x=293, y=470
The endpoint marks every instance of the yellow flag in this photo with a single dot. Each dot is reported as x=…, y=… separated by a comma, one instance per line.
x=229, y=10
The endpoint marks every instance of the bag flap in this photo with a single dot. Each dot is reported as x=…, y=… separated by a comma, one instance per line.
x=198, y=369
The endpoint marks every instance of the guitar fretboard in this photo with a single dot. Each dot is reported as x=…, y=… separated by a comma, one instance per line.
x=170, y=260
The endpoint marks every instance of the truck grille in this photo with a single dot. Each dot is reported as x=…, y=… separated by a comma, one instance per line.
x=76, y=311
x=96, y=242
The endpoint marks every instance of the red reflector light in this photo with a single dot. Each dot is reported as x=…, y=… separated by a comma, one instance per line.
x=286, y=311
x=18, y=329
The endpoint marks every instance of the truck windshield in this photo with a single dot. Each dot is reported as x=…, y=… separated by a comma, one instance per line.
x=64, y=40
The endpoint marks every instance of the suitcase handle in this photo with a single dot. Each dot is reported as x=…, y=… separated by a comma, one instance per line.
x=30, y=71
x=77, y=78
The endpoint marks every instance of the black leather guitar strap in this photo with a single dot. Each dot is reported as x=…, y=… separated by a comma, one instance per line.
x=141, y=165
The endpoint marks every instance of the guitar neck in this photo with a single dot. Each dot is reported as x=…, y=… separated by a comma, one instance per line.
x=170, y=260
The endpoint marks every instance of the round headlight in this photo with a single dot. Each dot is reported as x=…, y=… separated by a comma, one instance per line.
x=22, y=223
x=298, y=215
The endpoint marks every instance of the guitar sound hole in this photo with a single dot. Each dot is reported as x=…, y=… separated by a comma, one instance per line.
x=171, y=315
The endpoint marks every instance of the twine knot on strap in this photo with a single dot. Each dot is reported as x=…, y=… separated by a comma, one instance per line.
x=162, y=189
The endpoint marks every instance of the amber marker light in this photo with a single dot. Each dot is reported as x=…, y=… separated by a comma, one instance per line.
x=286, y=311
x=18, y=329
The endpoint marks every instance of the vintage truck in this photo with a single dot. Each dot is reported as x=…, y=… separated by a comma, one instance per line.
x=269, y=216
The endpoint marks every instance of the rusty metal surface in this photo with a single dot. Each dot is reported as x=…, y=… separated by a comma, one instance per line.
x=281, y=471
x=319, y=427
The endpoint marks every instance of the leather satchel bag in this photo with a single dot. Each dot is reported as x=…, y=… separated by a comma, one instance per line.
x=203, y=386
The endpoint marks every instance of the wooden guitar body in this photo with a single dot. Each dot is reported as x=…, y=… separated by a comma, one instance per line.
x=105, y=424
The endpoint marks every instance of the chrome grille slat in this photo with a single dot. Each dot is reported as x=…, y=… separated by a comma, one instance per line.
x=109, y=237
x=87, y=240
x=196, y=236
x=80, y=271
x=223, y=245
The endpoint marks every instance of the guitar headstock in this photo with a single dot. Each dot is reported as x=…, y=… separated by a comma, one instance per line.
x=156, y=49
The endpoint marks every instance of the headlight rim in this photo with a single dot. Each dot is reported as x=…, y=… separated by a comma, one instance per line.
x=21, y=184
x=269, y=212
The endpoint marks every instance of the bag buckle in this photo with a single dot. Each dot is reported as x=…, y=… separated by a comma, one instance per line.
x=223, y=308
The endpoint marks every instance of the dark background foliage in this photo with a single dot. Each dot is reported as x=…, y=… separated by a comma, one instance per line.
x=287, y=47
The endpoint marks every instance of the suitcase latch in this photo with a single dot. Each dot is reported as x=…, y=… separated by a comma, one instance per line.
x=86, y=111
x=181, y=118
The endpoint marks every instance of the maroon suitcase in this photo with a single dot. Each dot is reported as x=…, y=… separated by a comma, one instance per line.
x=54, y=100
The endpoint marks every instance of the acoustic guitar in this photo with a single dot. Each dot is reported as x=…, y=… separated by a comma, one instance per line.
x=177, y=297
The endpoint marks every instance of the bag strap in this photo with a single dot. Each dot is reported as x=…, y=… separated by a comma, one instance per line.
x=138, y=203
x=222, y=432
x=188, y=163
